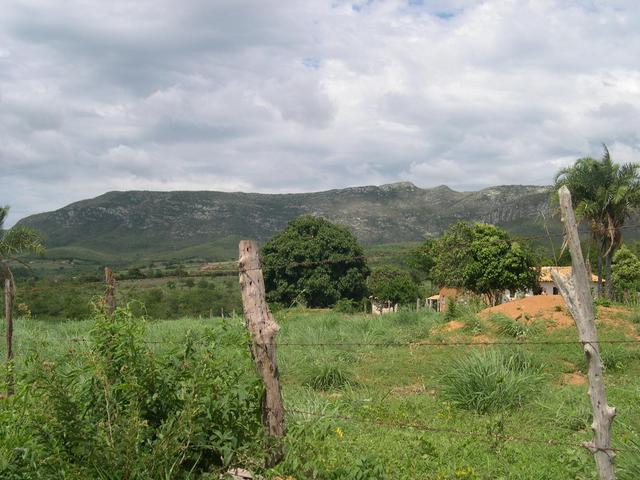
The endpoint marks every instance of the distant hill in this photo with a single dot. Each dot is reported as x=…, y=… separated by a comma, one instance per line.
x=208, y=224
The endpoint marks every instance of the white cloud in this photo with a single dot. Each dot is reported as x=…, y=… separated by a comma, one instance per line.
x=294, y=96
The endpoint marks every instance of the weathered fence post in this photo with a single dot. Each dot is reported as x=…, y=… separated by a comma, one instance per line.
x=576, y=292
x=110, y=293
x=8, y=314
x=417, y=304
x=263, y=329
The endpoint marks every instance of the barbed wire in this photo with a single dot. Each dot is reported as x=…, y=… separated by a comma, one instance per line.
x=435, y=429
x=412, y=344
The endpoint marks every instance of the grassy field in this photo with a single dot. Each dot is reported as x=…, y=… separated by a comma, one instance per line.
x=387, y=403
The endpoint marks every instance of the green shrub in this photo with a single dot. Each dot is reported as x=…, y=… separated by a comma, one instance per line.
x=491, y=380
x=119, y=410
x=346, y=305
x=328, y=377
x=615, y=358
x=513, y=328
x=451, y=312
x=406, y=317
x=472, y=323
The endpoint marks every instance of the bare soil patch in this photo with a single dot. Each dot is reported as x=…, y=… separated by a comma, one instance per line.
x=452, y=326
x=575, y=378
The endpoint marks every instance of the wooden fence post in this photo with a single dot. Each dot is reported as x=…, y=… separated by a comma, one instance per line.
x=110, y=293
x=263, y=329
x=576, y=292
x=8, y=314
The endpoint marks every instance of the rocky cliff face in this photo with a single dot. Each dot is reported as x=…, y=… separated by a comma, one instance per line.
x=139, y=220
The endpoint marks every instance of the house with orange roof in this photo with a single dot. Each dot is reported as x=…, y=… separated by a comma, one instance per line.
x=549, y=287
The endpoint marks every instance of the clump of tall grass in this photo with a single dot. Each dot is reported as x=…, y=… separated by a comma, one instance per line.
x=513, y=328
x=634, y=317
x=491, y=380
x=406, y=317
x=329, y=377
x=616, y=358
x=629, y=465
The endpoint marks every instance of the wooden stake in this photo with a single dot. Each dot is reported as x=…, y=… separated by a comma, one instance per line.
x=110, y=294
x=263, y=329
x=8, y=315
x=576, y=292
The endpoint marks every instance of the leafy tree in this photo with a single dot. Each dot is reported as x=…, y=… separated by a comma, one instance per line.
x=314, y=261
x=451, y=255
x=484, y=259
x=14, y=242
x=626, y=274
x=498, y=263
x=604, y=194
x=421, y=260
x=392, y=283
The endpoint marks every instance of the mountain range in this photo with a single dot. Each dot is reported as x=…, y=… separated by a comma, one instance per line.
x=210, y=223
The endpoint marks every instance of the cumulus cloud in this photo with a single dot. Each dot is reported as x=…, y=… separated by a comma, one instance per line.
x=294, y=96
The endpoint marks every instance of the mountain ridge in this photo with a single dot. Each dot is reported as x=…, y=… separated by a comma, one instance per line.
x=143, y=220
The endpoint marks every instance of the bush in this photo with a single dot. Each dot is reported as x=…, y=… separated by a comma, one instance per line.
x=406, y=316
x=513, y=328
x=615, y=358
x=390, y=283
x=344, y=305
x=491, y=380
x=328, y=377
x=119, y=410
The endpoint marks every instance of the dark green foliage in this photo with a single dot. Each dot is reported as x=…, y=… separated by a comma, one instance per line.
x=626, y=275
x=72, y=299
x=421, y=260
x=328, y=264
x=491, y=380
x=605, y=194
x=118, y=410
x=390, y=283
x=452, y=254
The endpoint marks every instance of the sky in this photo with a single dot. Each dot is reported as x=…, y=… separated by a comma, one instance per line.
x=293, y=96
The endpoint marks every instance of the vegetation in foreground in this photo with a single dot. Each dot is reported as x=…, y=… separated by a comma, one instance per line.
x=354, y=412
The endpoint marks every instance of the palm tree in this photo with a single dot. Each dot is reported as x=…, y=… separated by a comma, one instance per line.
x=13, y=242
x=605, y=194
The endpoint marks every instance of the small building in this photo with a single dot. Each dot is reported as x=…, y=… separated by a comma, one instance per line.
x=380, y=307
x=548, y=286
x=439, y=302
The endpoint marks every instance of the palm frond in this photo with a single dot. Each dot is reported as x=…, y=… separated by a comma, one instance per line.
x=19, y=240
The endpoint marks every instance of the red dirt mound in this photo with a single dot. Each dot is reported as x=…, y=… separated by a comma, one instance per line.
x=549, y=307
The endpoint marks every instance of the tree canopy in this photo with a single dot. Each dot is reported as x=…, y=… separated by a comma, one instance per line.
x=16, y=241
x=484, y=259
x=421, y=260
x=392, y=283
x=314, y=261
x=626, y=274
x=604, y=194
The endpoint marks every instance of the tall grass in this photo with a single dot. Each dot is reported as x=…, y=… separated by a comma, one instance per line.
x=513, y=328
x=329, y=377
x=491, y=380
